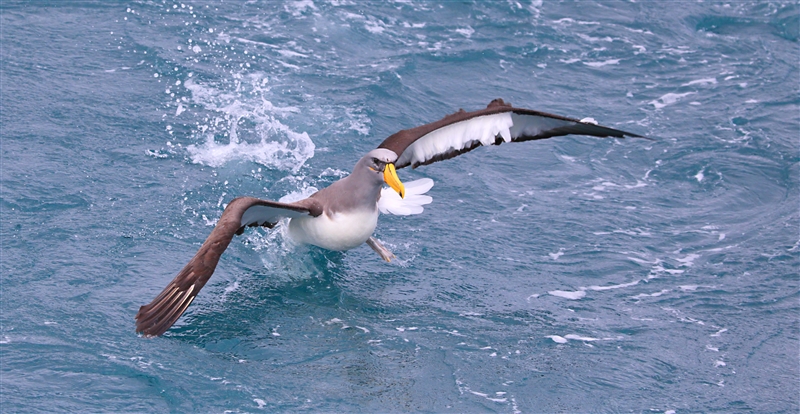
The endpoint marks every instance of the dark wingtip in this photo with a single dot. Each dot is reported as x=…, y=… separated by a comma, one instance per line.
x=612, y=132
x=632, y=135
x=142, y=328
x=158, y=316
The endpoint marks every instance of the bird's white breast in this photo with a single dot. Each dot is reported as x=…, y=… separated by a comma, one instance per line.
x=336, y=232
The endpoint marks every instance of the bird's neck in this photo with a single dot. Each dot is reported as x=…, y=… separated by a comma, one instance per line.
x=363, y=185
x=355, y=192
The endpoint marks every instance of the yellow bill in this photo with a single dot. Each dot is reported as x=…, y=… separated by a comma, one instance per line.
x=391, y=178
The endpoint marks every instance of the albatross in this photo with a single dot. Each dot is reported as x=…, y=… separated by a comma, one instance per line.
x=344, y=215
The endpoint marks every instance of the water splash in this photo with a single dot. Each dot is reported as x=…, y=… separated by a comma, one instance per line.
x=248, y=121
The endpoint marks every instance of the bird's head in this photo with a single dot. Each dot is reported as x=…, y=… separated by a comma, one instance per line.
x=380, y=164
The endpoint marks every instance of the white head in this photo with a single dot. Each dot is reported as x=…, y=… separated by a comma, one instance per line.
x=379, y=163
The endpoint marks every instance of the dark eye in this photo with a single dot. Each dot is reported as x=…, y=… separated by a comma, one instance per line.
x=379, y=165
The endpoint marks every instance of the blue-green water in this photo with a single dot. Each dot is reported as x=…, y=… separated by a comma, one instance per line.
x=568, y=275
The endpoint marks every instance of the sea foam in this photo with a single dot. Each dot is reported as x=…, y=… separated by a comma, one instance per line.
x=276, y=144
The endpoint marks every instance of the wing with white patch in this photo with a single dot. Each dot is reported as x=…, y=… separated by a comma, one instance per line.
x=391, y=203
x=156, y=317
x=498, y=123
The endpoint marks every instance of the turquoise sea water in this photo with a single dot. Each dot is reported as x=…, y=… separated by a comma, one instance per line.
x=568, y=275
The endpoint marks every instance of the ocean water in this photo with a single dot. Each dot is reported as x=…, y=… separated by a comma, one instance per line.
x=573, y=274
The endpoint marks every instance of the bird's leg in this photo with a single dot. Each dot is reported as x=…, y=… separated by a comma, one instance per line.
x=380, y=249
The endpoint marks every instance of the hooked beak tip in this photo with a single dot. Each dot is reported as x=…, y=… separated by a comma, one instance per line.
x=391, y=178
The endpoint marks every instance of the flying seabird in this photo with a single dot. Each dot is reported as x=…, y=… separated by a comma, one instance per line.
x=345, y=214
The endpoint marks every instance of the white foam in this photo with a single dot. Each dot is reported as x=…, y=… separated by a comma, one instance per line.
x=288, y=65
x=358, y=122
x=375, y=26
x=703, y=81
x=633, y=232
x=466, y=32
x=291, y=53
x=609, y=287
x=230, y=288
x=669, y=99
x=688, y=260
x=637, y=185
x=299, y=7
x=651, y=295
x=581, y=338
x=578, y=294
x=567, y=158
x=699, y=176
x=157, y=154
x=604, y=185
x=278, y=146
x=603, y=63
x=581, y=292
x=680, y=50
x=557, y=339
x=556, y=255
x=719, y=332
x=566, y=20
x=287, y=155
x=642, y=261
x=497, y=397
x=659, y=268
x=595, y=39
x=298, y=195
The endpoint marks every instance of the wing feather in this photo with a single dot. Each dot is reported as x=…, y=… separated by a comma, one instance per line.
x=156, y=317
x=391, y=203
x=499, y=122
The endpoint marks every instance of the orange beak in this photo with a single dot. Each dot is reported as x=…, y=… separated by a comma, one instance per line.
x=391, y=178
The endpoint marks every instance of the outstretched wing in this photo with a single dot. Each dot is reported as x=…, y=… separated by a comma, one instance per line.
x=156, y=317
x=499, y=122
